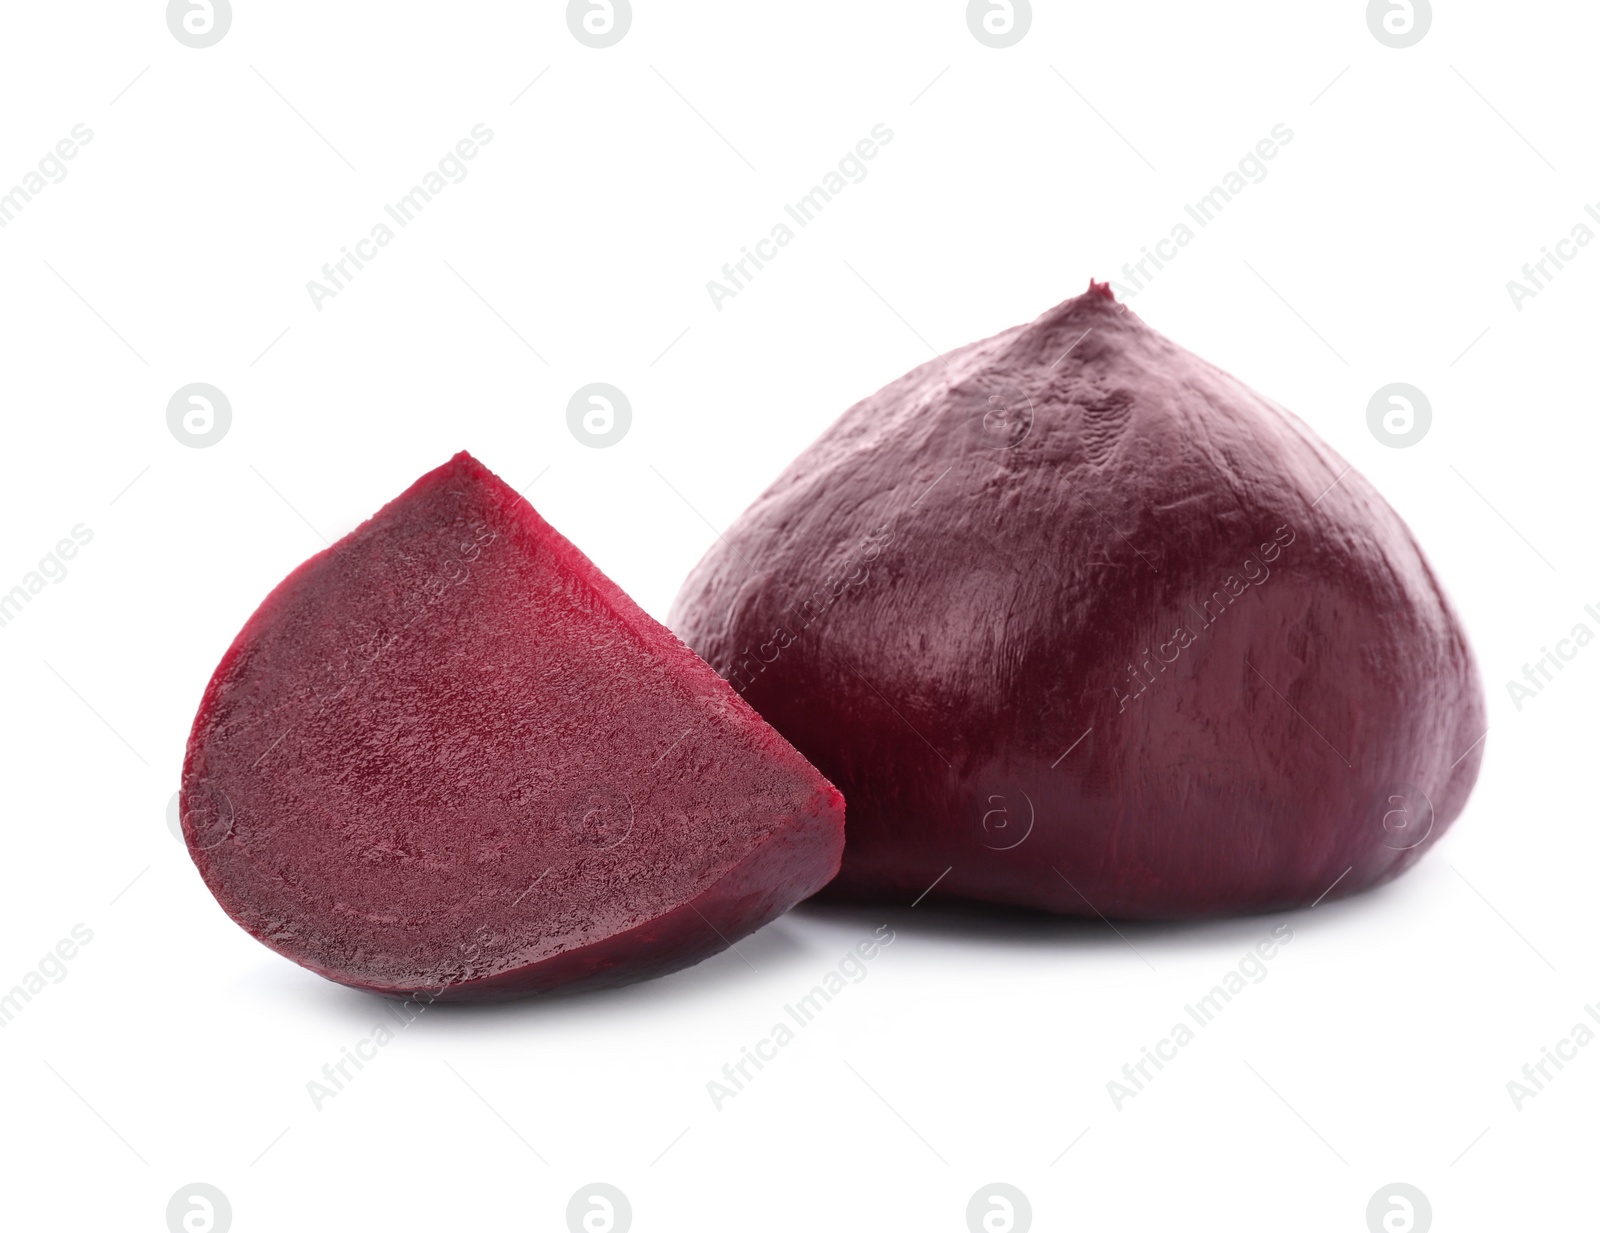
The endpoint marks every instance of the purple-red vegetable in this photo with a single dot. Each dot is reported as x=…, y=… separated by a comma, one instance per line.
x=1077, y=621
x=449, y=758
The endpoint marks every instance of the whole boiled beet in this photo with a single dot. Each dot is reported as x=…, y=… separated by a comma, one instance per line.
x=1077, y=621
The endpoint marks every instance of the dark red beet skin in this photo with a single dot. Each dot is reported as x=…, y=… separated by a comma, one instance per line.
x=1077, y=621
x=449, y=757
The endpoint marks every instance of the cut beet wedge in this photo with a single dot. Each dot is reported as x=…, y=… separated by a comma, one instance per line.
x=448, y=757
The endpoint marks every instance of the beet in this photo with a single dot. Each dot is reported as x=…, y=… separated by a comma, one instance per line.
x=448, y=756
x=1077, y=621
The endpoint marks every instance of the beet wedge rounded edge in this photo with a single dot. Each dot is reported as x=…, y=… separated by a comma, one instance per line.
x=449, y=757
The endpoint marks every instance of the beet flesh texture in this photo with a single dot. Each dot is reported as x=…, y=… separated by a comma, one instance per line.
x=448, y=757
x=988, y=563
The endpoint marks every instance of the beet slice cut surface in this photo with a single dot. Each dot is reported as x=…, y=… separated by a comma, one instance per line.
x=448, y=757
x=1078, y=621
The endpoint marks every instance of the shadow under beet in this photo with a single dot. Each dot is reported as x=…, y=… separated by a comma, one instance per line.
x=1006, y=926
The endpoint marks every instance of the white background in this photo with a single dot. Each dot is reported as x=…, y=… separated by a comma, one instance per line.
x=178, y=249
